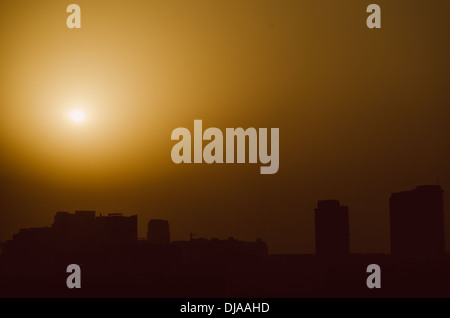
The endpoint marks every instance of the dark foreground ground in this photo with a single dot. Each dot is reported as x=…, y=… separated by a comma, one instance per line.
x=275, y=276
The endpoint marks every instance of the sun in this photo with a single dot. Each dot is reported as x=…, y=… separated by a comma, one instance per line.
x=77, y=115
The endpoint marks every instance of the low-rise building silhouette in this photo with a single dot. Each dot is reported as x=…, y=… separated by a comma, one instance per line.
x=332, y=229
x=231, y=250
x=74, y=233
x=158, y=232
x=116, y=230
x=29, y=242
x=85, y=235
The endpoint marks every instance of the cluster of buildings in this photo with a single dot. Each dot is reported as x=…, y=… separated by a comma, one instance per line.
x=80, y=232
x=84, y=234
x=416, y=229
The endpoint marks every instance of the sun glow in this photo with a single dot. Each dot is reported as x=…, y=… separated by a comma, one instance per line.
x=77, y=115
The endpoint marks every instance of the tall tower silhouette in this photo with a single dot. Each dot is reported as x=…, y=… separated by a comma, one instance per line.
x=417, y=222
x=332, y=229
x=158, y=232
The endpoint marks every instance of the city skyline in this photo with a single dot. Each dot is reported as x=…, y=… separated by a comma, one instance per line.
x=417, y=227
x=115, y=263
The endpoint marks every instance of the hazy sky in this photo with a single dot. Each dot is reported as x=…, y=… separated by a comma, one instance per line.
x=362, y=113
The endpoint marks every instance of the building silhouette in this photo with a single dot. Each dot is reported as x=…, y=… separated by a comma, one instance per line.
x=417, y=222
x=332, y=229
x=158, y=232
x=116, y=264
x=74, y=233
x=29, y=242
x=231, y=250
x=116, y=230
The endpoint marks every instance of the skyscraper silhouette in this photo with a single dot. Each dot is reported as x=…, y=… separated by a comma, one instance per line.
x=158, y=232
x=332, y=229
x=417, y=222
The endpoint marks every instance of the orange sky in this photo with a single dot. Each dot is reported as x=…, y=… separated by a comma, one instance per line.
x=362, y=113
